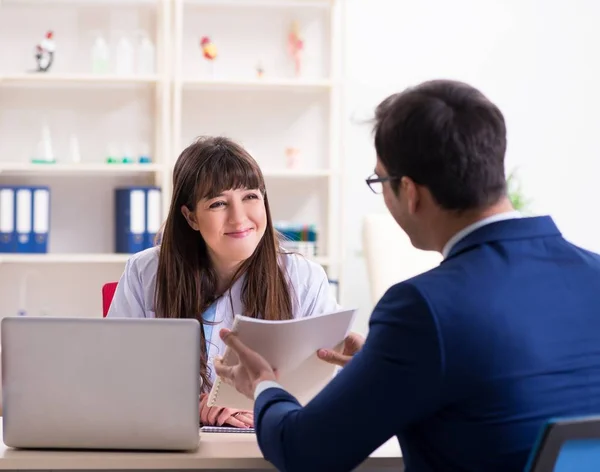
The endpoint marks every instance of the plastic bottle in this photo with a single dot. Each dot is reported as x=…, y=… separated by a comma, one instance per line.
x=146, y=56
x=112, y=154
x=144, y=156
x=100, y=55
x=124, y=57
x=74, y=147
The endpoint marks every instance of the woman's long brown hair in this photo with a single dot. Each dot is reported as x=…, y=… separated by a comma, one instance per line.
x=186, y=283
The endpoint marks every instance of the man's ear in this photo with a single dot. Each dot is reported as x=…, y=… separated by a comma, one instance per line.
x=190, y=217
x=412, y=192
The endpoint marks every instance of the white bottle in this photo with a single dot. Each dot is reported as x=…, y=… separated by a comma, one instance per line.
x=146, y=57
x=100, y=56
x=74, y=147
x=125, y=57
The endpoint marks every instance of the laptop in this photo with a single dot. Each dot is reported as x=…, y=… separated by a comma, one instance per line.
x=91, y=383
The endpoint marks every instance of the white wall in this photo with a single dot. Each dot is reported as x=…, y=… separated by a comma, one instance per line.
x=537, y=60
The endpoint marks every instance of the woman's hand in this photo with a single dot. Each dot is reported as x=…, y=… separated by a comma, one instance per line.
x=220, y=416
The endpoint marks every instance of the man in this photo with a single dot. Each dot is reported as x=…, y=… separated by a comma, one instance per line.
x=463, y=363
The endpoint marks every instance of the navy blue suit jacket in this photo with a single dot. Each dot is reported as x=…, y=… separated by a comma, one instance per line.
x=463, y=363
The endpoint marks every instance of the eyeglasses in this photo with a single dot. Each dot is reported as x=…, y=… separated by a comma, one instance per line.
x=375, y=183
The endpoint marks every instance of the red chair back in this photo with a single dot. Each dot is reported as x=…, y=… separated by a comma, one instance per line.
x=108, y=292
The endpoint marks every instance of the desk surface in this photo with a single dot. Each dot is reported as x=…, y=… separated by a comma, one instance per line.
x=216, y=451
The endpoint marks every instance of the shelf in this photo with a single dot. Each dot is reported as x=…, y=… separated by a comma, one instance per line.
x=79, y=3
x=256, y=84
x=63, y=258
x=291, y=174
x=261, y=3
x=110, y=169
x=87, y=259
x=50, y=79
x=78, y=169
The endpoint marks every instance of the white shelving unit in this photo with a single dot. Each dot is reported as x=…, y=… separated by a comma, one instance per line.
x=165, y=111
x=63, y=258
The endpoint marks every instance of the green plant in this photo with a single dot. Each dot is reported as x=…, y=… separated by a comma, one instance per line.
x=516, y=194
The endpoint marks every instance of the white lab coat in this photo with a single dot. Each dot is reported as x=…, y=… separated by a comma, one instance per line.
x=134, y=296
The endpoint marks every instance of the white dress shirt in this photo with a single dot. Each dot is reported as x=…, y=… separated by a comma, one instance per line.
x=134, y=297
x=508, y=215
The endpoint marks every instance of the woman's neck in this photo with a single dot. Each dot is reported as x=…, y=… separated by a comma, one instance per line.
x=225, y=272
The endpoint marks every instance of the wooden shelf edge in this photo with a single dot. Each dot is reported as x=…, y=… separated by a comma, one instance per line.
x=254, y=84
x=50, y=79
x=78, y=169
x=261, y=3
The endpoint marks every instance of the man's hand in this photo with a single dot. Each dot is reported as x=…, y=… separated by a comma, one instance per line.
x=352, y=344
x=219, y=416
x=250, y=370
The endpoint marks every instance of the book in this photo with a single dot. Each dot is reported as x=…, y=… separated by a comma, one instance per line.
x=290, y=346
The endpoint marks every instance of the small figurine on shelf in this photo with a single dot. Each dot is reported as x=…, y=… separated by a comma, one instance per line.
x=44, y=52
x=209, y=51
x=260, y=71
x=292, y=156
x=295, y=47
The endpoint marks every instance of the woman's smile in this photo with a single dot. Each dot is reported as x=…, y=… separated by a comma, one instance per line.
x=240, y=233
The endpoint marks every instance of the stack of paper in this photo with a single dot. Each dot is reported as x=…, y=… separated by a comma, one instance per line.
x=290, y=346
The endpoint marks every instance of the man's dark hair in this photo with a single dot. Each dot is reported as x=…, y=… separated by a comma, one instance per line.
x=448, y=137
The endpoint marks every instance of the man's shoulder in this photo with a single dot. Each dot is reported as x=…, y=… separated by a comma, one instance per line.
x=591, y=257
x=403, y=296
x=469, y=282
x=429, y=292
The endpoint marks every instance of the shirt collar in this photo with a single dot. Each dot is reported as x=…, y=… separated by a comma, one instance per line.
x=478, y=224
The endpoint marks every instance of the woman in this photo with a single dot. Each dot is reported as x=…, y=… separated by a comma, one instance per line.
x=219, y=256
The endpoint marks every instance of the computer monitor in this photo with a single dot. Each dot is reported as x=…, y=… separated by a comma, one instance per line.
x=567, y=444
x=88, y=383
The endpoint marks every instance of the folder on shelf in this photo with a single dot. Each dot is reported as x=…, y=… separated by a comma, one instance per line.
x=41, y=219
x=130, y=209
x=23, y=219
x=32, y=219
x=8, y=239
x=153, y=215
x=137, y=213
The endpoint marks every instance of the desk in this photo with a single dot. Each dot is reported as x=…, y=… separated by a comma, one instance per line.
x=216, y=451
